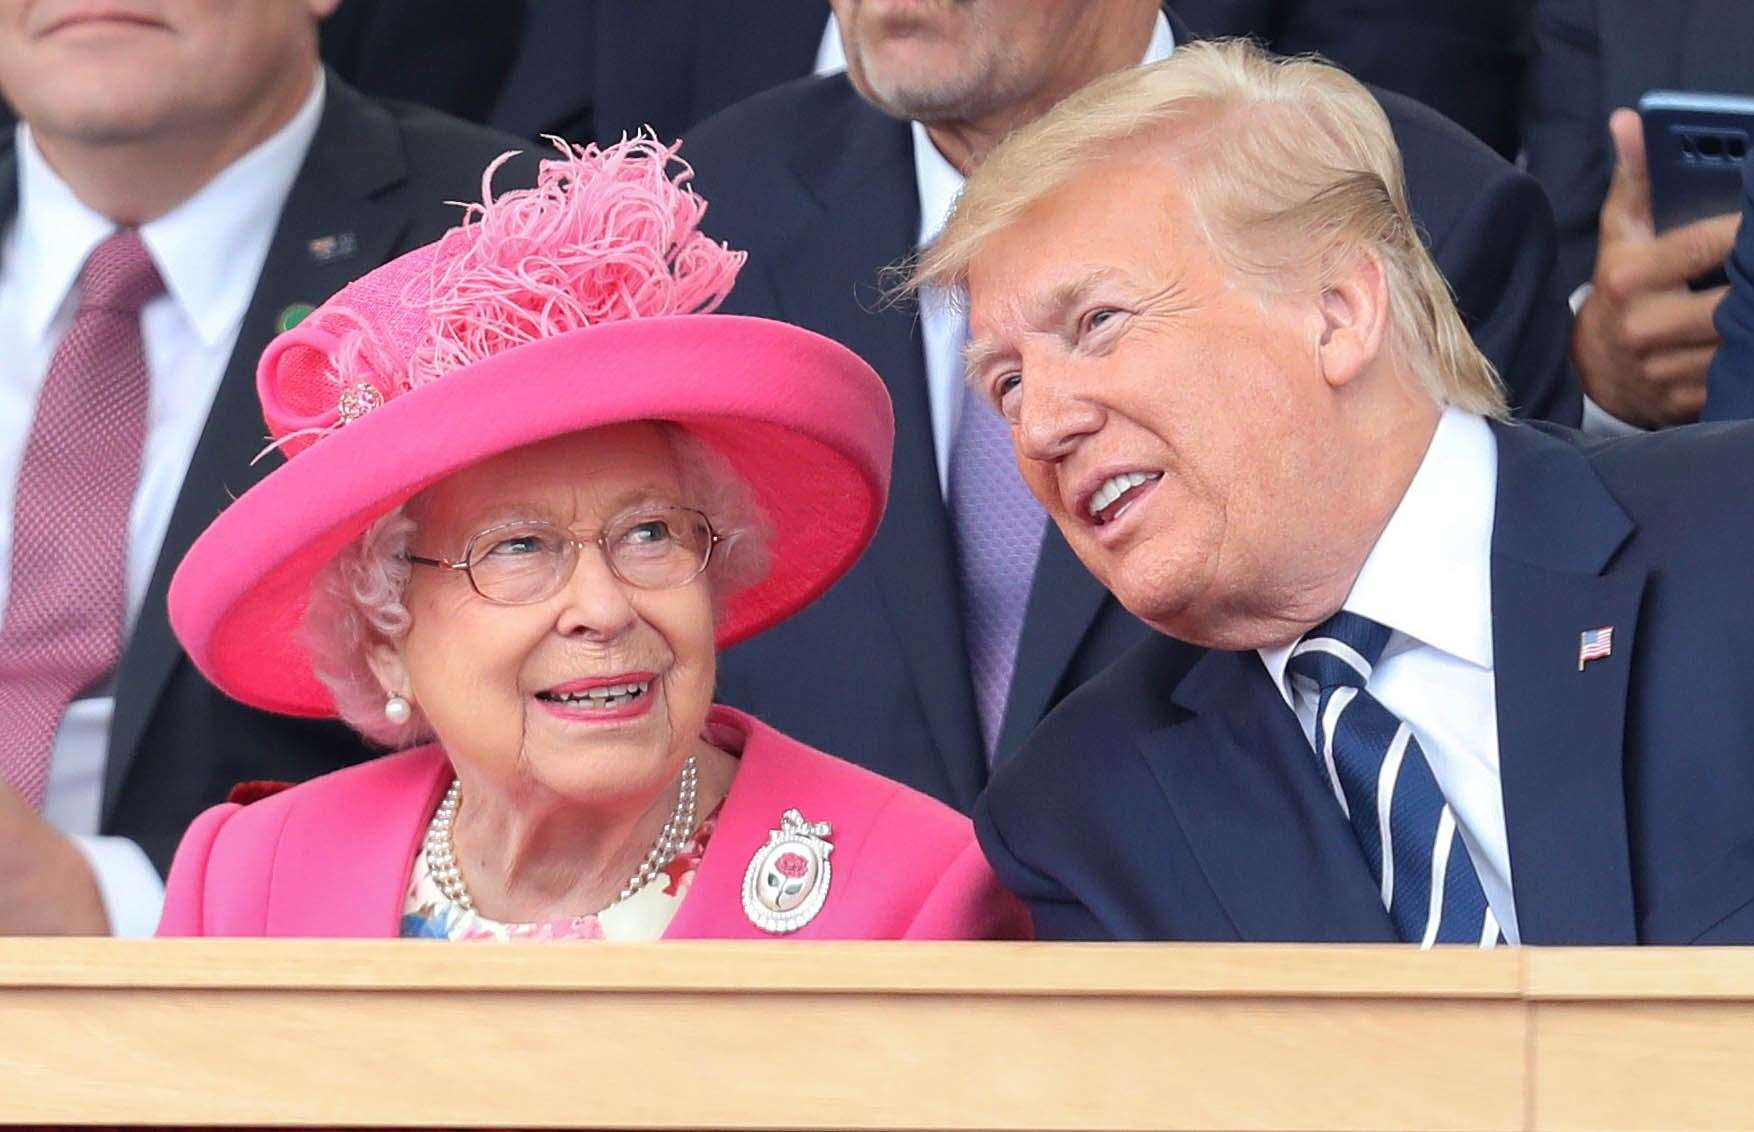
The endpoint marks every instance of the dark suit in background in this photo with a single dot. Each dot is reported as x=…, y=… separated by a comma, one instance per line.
x=582, y=69
x=1729, y=391
x=1171, y=799
x=819, y=188
x=1594, y=56
x=1464, y=58
x=376, y=177
x=449, y=55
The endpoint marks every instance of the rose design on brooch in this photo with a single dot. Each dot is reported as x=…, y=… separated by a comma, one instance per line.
x=783, y=881
x=787, y=880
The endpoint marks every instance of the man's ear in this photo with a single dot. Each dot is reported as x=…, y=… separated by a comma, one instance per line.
x=1355, y=318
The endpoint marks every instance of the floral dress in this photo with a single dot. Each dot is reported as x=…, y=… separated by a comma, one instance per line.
x=428, y=914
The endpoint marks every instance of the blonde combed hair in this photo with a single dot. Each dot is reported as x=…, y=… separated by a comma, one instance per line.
x=1290, y=167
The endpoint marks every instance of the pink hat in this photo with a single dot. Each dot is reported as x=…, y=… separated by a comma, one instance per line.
x=575, y=304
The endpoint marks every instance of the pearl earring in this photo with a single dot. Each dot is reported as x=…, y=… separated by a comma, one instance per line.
x=397, y=710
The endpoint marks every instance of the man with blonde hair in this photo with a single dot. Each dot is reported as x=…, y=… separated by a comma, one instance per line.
x=1467, y=680
x=971, y=615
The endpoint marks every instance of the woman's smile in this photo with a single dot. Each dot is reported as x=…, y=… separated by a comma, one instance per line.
x=602, y=699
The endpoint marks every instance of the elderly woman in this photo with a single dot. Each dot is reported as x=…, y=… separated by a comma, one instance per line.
x=531, y=489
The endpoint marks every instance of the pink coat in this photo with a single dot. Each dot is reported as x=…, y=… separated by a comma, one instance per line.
x=332, y=857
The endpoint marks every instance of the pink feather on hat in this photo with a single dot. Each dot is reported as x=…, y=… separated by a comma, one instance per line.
x=606, y=234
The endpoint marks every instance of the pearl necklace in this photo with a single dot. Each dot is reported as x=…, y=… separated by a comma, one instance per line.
x=441, y=846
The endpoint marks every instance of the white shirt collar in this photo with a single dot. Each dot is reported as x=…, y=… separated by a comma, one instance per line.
x=207, y=249
x=938, y=183
x=1429, y=576
x=54, y=234
x=938, y=180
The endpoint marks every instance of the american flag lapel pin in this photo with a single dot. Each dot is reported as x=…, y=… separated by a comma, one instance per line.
x=1594, y=644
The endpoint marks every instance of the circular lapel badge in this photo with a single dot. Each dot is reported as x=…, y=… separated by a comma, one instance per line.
x=292, y=315
x=787, y=880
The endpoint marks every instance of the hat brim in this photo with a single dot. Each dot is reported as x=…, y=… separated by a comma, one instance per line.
x=802, y=420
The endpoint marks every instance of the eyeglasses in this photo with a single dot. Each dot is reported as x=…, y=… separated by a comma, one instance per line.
x=525, y=562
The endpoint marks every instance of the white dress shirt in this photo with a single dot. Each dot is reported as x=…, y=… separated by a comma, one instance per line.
x=831, y=56
x=209, y=250
x=1429, y=580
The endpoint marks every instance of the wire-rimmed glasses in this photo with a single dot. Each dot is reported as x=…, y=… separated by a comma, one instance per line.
x=523, y=562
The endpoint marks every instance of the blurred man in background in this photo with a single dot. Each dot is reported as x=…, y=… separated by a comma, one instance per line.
x=185, y=181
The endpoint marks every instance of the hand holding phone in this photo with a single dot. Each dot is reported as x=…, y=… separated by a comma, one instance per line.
x=1643, y=340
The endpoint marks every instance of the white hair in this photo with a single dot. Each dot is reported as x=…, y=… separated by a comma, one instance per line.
x=356, y=601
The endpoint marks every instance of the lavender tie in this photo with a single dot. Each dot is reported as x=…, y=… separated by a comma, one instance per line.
x=63, y=627
x=998, y=528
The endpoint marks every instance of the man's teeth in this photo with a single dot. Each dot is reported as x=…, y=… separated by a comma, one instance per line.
x=607, y=696
x=1115, y=487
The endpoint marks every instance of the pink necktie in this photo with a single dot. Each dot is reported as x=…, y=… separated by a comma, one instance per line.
x=62, y=632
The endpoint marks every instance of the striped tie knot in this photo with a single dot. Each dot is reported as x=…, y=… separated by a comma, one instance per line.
x=1340, y=652
x=1381, y=780
x=119, y=275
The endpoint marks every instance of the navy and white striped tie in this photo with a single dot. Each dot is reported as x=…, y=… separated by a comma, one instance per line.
x=1378, y=772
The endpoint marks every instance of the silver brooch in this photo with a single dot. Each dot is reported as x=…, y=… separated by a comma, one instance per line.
x=787, y=880
x=357, y=401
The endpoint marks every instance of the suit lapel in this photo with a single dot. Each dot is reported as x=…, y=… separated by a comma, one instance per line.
x=863, y=166
x=1243, y=783
x=1064, y=600
x=1561, y=730
x=355, y=156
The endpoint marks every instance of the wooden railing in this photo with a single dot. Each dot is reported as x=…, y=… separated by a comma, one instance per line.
x=871, y=1036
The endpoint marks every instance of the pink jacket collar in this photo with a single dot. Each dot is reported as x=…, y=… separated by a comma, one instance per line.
x=362, y=837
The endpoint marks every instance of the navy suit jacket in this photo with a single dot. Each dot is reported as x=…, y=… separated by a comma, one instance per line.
x=381, y=173
x=1177, y=798
x=819, y=187
x=448, y=55
x=1729, y=392
x=669, y=64
x=582, y=69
